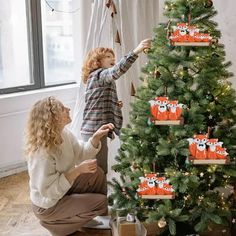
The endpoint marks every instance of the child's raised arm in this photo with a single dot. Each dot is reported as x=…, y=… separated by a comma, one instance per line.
x=144, y=44
x=124, y=64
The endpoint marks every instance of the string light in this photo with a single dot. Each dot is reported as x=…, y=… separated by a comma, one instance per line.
x=53, y=9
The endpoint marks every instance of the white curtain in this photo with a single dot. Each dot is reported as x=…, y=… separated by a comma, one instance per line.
x=134, y=21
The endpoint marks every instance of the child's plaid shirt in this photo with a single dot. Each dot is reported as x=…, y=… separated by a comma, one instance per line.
x=101, y=99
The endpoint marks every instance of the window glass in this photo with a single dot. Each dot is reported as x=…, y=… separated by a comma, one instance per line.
x=58, y=41
x=14, y=44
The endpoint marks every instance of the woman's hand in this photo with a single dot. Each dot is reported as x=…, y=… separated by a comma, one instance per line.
x=87, y=166
x=144, y=44
x=102, y=131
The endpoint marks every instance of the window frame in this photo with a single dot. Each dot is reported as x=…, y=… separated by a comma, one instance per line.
x=36, y=63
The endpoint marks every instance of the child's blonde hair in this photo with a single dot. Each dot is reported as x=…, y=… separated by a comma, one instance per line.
x=43, y=128
x=93, y=61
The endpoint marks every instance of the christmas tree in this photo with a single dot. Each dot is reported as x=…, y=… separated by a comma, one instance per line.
x=186, y=64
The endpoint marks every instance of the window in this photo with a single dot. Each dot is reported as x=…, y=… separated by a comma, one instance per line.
x=14, y=45
x=58, y=42
x=37, y=44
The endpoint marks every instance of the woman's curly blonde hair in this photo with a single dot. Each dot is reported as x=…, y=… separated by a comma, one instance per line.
x=43, y=128
x=93, y=61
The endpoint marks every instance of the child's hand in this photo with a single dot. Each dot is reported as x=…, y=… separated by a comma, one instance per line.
x=102, y=131
x=144, y=44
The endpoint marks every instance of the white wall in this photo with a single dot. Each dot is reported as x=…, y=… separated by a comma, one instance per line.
x=226, y=19
x=13, y=115
x=14, y=107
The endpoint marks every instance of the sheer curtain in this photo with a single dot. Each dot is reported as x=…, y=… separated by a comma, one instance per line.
x=133, y=21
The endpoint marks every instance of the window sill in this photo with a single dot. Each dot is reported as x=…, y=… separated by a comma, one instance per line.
x=21, y=102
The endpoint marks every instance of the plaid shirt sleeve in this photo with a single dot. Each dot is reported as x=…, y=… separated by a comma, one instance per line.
x=118, y=69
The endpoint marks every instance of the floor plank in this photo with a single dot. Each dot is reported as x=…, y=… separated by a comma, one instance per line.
x=16, y=216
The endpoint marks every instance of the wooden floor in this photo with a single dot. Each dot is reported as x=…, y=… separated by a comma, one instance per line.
x=16, y=216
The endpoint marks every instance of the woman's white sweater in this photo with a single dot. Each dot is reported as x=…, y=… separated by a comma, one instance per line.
x=48, y=183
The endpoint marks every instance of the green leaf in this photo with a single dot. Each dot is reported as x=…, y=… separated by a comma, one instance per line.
x=183, y=188
x=175, y=213
x=201, y=226
x=217, y=219
x=182, y=218
x=172, y=226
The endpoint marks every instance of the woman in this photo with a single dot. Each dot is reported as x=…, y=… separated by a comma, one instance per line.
x=67, y=188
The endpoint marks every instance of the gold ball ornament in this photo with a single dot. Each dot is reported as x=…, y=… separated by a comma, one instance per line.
x=211, y=169
x=146, y=50
x=214, y=41
x=161, y=223
x=208, y=4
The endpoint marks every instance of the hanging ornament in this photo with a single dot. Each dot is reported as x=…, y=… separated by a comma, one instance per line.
x=117, y=38
x=125, y=194
x=214, y=41
x=210, y=117
x=132, y=89
x=208, y=4
x=162, y=223
x=111, y=4
x=146, y=50
x=189, y=35
x=211, y=169
x=134, y=166
x=168, y=7
x=157, y=73
x=168, y=31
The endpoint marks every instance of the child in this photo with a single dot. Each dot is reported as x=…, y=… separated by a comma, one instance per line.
x=67, y=188
x=99, y=72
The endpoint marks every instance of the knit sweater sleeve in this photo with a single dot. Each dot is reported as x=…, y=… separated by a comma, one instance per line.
x=115, y=72
x=50, y=184
x=84, y=150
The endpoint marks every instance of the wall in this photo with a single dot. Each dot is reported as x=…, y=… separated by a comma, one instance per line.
x=14, y=107
x=13, y=115
x=226, y=19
